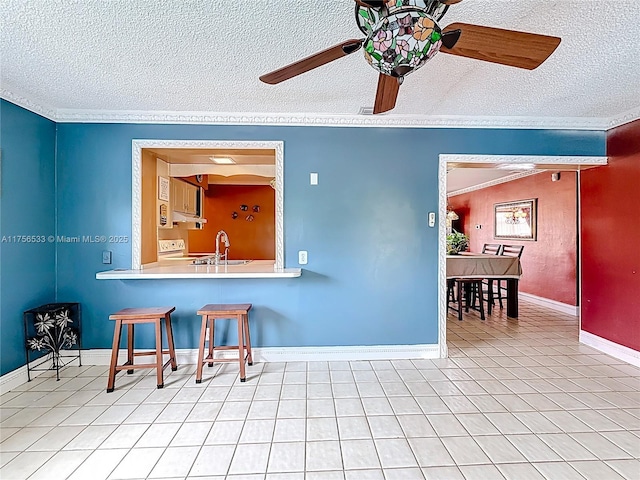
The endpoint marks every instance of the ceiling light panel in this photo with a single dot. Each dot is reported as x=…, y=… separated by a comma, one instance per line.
x=222, y=160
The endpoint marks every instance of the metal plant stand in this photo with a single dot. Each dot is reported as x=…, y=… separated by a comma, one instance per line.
x=52, y=336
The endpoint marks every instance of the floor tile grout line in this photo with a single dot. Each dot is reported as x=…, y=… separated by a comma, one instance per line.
x=585, y=372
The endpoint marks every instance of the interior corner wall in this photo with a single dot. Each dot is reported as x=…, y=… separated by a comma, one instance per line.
x=610, y=238
x=549, y=264
x=27, y=224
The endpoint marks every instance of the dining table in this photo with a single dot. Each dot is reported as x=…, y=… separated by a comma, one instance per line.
x=490, y=267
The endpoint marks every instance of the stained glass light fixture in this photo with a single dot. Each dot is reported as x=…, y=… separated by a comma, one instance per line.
x=402, y=36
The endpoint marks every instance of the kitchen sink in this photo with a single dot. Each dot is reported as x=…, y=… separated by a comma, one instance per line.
x=235, y=262
x=209, y=261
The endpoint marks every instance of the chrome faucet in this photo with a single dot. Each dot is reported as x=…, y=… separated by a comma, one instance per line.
x=225, y=238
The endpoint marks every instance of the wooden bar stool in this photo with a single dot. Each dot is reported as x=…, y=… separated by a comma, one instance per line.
x=212, y=312
x=130, y=317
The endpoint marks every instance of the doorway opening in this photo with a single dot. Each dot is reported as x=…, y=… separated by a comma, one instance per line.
x=512, y=162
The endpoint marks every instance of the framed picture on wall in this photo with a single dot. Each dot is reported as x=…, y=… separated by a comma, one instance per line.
x=516, y=220
x=163, y=188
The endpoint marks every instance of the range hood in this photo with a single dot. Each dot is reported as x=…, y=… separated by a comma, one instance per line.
x=185, y=217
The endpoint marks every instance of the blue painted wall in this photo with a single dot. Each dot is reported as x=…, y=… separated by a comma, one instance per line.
x=372, y=272
x=27, y=206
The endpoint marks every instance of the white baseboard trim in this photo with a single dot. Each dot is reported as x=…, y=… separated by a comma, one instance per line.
x=13, y=379
x=292, y=354
x=17, y=377
x=551, y=304
x=350, y=353
x=616, y=350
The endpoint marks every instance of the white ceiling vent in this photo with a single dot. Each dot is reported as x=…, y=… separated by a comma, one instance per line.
x=365, y=111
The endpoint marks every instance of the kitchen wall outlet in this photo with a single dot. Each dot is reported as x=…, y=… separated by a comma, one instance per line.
x=313, y=178
x=106, y=257
x=432, y=219
x=302, y=257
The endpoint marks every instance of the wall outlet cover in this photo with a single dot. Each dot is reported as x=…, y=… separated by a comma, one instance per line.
x=302, y=257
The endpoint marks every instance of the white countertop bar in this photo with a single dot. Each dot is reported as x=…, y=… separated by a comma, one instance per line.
x=254, y=269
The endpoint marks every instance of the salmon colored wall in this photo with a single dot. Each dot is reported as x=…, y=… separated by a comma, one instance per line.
x=249, y=240
x=549, y=264
x=610, y=197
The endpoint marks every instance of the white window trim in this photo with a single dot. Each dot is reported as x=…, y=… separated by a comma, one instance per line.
x=136, y=186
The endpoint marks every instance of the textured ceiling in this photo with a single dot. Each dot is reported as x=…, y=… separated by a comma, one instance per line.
x=197, y=56
x=462, y=178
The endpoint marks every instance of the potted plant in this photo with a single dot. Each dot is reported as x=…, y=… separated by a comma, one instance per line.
x=456, y=242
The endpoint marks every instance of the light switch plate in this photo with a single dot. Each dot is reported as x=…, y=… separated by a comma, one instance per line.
x=313, y=178
x=432, y=219
x=106, y=257
x=302, y=257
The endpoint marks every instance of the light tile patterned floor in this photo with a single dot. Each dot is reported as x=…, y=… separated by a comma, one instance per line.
x=516, y=400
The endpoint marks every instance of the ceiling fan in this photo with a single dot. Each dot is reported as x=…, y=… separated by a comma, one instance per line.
x=402, y=35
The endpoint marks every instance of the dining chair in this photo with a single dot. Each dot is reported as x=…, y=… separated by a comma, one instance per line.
x=468, y=291
x=452, y=299
x=492, y=248
x=490, y=283
x=510, y=251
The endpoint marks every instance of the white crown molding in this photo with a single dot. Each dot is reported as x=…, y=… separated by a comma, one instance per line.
x=518, y=161
x=311, y=119
x=63, y=115
x=495, y=182
x=46, y=112
x=528, y=160
x=626, y=117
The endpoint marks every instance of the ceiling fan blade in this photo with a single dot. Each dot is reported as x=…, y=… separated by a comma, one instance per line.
x=387, y=93
x=370, y=3
x=313, y=61
x=507, y=47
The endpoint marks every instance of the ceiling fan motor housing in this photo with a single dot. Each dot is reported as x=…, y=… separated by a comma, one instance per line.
x=401, y=37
